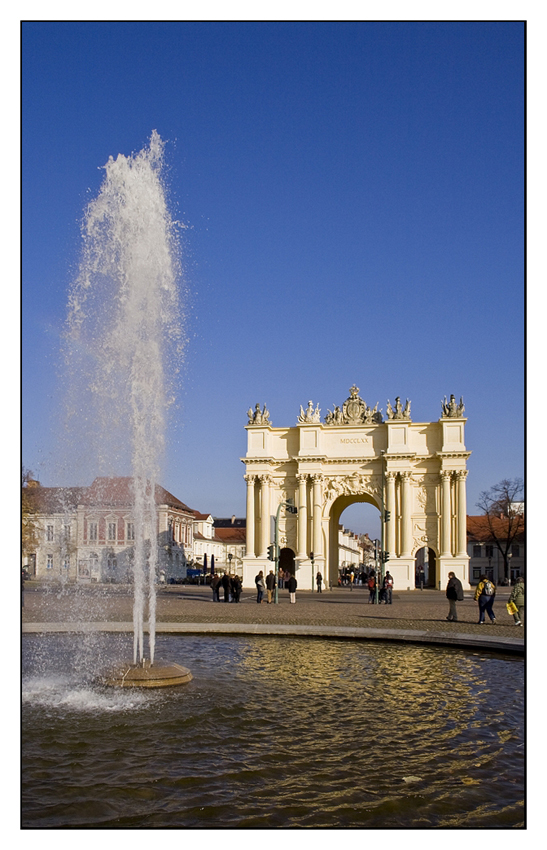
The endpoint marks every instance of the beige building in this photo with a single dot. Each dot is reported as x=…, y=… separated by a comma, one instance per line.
x=413, y=472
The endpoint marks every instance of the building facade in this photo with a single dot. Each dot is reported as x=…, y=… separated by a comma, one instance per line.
x=87, y=534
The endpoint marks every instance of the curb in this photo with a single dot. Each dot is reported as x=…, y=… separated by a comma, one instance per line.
x=513, y=646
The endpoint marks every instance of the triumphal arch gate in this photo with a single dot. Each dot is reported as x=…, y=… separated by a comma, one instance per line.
x=413, y=472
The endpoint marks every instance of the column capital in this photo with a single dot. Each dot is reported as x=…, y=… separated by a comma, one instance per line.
x=317, y=477
x=461, y=474
x=446, y=474
x=302, y=476
x=250, y=478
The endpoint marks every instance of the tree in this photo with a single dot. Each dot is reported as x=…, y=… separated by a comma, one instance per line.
x=504, y=515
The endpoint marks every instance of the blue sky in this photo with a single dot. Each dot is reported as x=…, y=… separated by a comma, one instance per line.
x=354, y=202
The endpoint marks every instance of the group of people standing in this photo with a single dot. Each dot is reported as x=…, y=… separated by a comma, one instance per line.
x=231, y=585
x=385, y=591
x=268, y=584
x=485, y=594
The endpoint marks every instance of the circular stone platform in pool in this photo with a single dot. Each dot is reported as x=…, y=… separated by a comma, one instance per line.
x=147, y=675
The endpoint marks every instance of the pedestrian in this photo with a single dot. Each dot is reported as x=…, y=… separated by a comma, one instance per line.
x=454, y=593
x=319, y=582
x=270, y=585
x=388, y=587
x=372, y=588
x=235, y=583
x=292, y=585
x=226, y=586
x=517, y=598
x=351, y=579
x=22, y=588
x=260, y=586
x=286, y=577
x=485, y=595
x=280, y=575
x=215, y=587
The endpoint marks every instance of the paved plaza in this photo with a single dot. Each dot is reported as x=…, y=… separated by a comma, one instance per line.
x=415, y=616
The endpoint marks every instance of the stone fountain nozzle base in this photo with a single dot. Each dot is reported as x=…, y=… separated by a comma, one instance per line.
x=146, y=675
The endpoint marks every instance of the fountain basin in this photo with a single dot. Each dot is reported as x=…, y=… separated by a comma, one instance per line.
x=147, y=675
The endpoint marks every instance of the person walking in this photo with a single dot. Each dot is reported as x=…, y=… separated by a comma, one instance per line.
x=351, y=579
x=226, y=586
x=292, y=585
x=280, y=575
x=215, y=587
x=372, y=588
x=485, y=595
x=517, y=598
x=319, y=582
x=388, y=588
x=270, y=585
x=260, y=586
x=454, y=593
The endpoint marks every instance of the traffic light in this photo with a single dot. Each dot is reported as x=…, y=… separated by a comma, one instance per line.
x=387, y=516
x=385, y=557
x=291, y=509
x=271, y=552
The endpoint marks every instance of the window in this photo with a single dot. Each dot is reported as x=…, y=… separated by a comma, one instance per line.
x=130, y=531
x=93, y=531
x=515, y=550
x=477, y=551
x=67, y=532
x=49, y=564
x=49, y=533
x=488, y=551
x=66, y=562
x=111, y=530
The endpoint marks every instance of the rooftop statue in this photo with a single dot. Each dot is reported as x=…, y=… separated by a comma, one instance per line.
x=451, y=410
x=309, y=415
x=398, y=413
x=258, y=417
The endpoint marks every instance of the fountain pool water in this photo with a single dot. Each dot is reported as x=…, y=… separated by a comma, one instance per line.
x=275, y=732
x=123, y=347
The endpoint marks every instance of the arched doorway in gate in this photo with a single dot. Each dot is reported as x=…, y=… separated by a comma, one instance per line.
x=426, y=568
x=286, y=560
x=336, y=537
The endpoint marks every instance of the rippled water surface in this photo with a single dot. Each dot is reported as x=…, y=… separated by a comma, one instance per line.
x=271, y=733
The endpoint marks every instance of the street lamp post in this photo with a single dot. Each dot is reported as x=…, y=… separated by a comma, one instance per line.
x=289, y=506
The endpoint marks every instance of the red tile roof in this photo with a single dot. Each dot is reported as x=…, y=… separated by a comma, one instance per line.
x=478, y=528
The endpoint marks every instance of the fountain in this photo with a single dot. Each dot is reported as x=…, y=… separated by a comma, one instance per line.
x=123, y=332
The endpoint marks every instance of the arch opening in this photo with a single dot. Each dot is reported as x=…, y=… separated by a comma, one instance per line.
x=426, y=570
x=358, y=514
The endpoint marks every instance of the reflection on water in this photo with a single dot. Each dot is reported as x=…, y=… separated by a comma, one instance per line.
x=274, y=732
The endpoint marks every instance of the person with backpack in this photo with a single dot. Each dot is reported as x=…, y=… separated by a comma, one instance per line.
x=485, y=595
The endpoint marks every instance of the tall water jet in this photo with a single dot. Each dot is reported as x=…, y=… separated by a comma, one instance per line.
x=123, y=347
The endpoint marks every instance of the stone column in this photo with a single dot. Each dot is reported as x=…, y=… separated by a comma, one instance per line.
x=391, y=507
x=302, y=516
x=446, y=546
x=406, y=542
x=250, y=479
x=461, y=547
x=317, y=515
x=264, y=515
